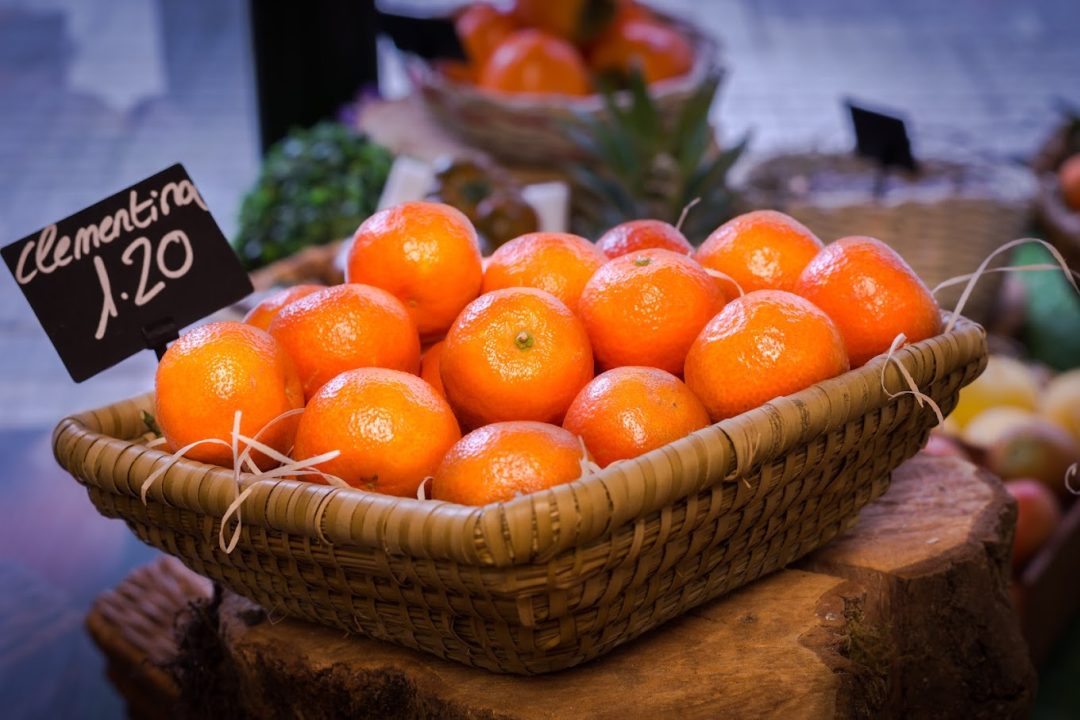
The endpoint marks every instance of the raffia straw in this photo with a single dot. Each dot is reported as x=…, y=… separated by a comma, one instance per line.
x=288, y=468
x=973, y=278
x=726, y=278
x=970, y=279
x=422, y=488
x=686, y=211
x=588, y=466
x=242, y=460
x=913, y=389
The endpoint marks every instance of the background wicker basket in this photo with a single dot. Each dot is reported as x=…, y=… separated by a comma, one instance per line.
x=531, y=130
x=555, y=578
x=944, y=223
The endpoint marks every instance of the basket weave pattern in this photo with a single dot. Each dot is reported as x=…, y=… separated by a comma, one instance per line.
x=555, y=578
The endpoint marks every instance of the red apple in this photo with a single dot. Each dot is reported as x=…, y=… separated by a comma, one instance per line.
x=941, y=445
x=1037, y=516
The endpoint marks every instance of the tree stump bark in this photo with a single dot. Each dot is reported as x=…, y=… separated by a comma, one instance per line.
x=905, y=616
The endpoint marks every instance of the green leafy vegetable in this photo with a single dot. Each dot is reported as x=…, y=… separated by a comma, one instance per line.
x=315, y=186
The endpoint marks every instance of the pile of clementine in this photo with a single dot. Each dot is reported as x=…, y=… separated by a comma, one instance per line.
x=507, y=375
x=546, y=47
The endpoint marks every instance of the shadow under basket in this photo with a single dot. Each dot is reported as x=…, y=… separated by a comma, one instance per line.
x=555, y=578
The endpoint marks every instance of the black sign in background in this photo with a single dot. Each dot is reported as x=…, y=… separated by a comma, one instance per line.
x=69, y=300
x=882, y=136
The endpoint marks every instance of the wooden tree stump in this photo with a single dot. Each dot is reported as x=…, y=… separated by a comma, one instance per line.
x=906, y=615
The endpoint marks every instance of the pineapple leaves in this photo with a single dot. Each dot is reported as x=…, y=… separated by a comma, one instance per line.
x=643, y=164
x=644, y=119
x=714, y=173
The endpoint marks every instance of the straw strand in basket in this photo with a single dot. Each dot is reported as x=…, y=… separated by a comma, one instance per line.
x=288, y=467
x=970, y=280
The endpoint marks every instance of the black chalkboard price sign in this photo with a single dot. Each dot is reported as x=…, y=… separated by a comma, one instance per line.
x=127, y=273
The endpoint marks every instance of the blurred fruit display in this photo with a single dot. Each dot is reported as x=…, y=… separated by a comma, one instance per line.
x=1053, y=330
x=533, y=69
x=487, y=194
x=1022, y=423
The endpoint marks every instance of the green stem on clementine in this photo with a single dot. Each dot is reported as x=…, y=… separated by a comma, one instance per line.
x=524, y=340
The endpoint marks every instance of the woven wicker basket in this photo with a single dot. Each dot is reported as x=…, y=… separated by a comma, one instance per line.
x=942, y=231
x=530, y=130
x=555, y=578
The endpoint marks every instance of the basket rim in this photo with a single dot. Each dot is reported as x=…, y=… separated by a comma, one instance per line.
x=707, y=62
x=1021, y=191
x=490, y=535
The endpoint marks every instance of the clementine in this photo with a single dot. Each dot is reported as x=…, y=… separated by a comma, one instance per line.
x=481, y=27
x=575, y=20
x=215, y=370
x=628, y=411
x=429, y=367
x=656, y=49
x=763, y=345
x=871, y=294
x=261, y=315
x=515, y=354
x=530, y=61
x=391, y=428
x=643, y=235
x=560, y=263
x=646, y=308
x=345, y=327
x=426, y=254
x=760, y=250
x=499, y=461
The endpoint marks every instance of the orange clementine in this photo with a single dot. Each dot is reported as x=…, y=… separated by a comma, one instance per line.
x=575, y=20
x=458, y=71
x=345, y=327
x=261, y=315
x=498, y=461
x=515, y=354
x=481, y=27
x=560, y=263
x=426, y=254
x=760, y=250
x=628, y=411
x=1069, y=180
x=215, y=370
x=429, y=367
x=530, y=61
x=646, y=308
x=656, y=49
x=391, y=428
x=871, y=294
x=763, y=345
x=643, y=235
